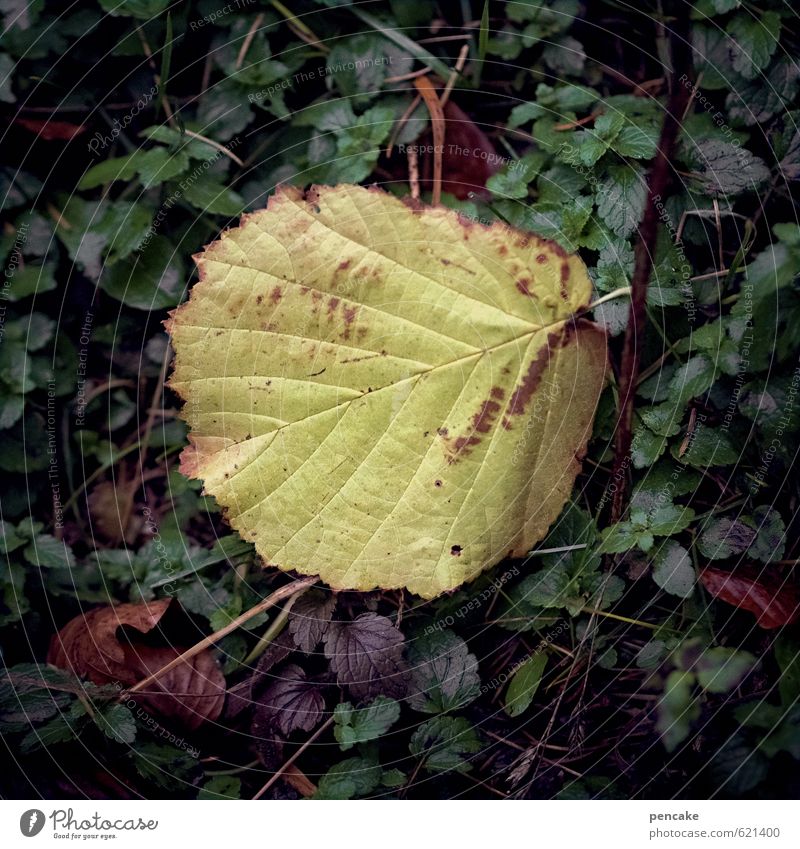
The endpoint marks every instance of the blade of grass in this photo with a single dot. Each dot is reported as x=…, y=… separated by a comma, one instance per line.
x=405, y=42
x=483, y=43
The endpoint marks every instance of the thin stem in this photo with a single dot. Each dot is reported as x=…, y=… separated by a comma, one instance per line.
x=274, y=628
x=622, y=292
x=325, y=725
x=271, y=600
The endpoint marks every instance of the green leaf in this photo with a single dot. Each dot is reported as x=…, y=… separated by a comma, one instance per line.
x=770, y=540
x=151, y=280
x=677, y=709
x=221, y=787
x=348, y=779
x=548, y=587
x=209, y=195
x=755, y=40
x=49, y=552
x=620, y=199
x=109, y=170
x=669, y=519
x=720, y=670
x=663, y=419
x=6, y=76
x=692, y=379
x=787, y=656
x=707, y=447
x=524, y=684
x=58, y=730
x=360, y=725
x=618, y=538
x=159, y=165
x=386, y=426
x=646, y=447
x=9, y=540
x=673, y=570
x=636, y=142
x=756, y=101
x=444, y=743
x=163, y=764
x=444, y=675
x=144, y=10
x=118, y=723
x=723, y=538
x=724, y=168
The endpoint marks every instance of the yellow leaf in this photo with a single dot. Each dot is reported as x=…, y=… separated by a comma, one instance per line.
x=385, y=394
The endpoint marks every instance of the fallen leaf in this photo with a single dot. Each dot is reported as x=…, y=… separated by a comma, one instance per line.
x=366, y=656
x=91, y=647
x=773, y=600
x=469, y=158
x=310, y=618
x=51, y=130
x=386, y=394
x=290, y=703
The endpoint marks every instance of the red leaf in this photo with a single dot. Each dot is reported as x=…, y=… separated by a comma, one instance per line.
x=773, y=600
x=50, y=130
x=90, y=646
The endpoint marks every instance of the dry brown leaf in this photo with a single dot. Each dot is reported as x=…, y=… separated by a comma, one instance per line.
x=91, y=647
x=772, y=599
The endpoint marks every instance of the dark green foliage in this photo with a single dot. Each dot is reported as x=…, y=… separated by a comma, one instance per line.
x=158, y=126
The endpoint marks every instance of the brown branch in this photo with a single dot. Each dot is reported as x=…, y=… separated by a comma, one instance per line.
x=660, y=176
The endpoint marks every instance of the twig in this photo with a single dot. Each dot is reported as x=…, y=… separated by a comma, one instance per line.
x=272, y=631
x=425, y=87
x=413, y=171
x=401, y=123
x=643, y=259
x=412, y=75
x=248, y=40
x=325, y=725
x=264, y=604
x=459, y=67
x=216, y=145
x=570, y=125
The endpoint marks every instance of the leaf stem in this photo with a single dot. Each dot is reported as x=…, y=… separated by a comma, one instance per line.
x=328, y=722
x=624, y=291
x=273, y=629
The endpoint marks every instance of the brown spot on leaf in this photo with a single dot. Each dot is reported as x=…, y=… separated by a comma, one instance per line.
x=530, y=381
x=332, y=304
x=523, y=285
x=498, y=393
x=344, y=264
x=276, y=295
x=437, y=483
x=349, y=314
x=482, y=422
x=259, y=299
x=541, y=259
x=456, y=550
x=564, y=278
